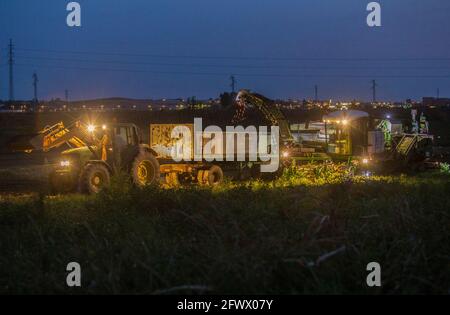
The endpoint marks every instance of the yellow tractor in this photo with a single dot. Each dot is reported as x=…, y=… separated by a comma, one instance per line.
x=96, y=153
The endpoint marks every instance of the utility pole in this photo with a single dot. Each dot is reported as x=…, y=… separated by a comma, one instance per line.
x=374, y=91
x=233, y=84
x=438, y=93
x=316, y=93
x=11, y=73
x=35, y=82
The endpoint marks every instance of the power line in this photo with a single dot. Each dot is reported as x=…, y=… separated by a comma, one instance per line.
x=237, y=74
x=227, y=66
x=73, y=52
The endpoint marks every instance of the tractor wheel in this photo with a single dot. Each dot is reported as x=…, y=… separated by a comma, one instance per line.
x=145, y=170
x=94, y=178
x=214, y=176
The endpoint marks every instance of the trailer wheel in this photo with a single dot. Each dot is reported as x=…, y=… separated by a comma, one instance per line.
x=145, y=170
x=214, y=176
x=94, y=178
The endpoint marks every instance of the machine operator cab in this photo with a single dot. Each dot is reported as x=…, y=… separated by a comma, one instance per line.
x=120, y=143
x=348, y=134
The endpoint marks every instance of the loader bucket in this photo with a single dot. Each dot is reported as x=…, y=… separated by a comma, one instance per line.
x=25, y=143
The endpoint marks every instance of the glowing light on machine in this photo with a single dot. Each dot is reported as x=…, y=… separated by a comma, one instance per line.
x=91, y=128
x=64, y=163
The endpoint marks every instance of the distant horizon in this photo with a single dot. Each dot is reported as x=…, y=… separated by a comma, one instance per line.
x=215, y=98
x=178, y=48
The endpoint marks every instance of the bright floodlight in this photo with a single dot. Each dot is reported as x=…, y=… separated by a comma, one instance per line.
x=91, y=128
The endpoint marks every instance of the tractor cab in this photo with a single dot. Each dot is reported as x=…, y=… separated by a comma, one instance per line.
x=124, y=144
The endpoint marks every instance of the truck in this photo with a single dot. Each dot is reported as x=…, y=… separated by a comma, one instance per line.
x=209, y=172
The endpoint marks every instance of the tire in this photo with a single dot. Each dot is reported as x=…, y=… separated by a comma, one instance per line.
x=215, y=176
x=94, y=178
x=145, y=170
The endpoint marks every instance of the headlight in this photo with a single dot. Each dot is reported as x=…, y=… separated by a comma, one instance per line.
x=367, y=174
x=64, y=163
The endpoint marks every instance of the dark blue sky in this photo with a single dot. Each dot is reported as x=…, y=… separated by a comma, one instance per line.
x=180, y=48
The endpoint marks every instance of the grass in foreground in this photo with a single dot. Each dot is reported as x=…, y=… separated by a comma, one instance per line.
x=240, y=238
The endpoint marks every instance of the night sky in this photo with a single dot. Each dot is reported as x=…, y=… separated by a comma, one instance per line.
x=182, y=48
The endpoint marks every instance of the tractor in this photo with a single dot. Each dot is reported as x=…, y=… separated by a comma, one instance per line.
x=95, y=154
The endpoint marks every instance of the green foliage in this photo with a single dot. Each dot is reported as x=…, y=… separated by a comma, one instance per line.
x=255, y=237
x=316, y=174
x=445, y=168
